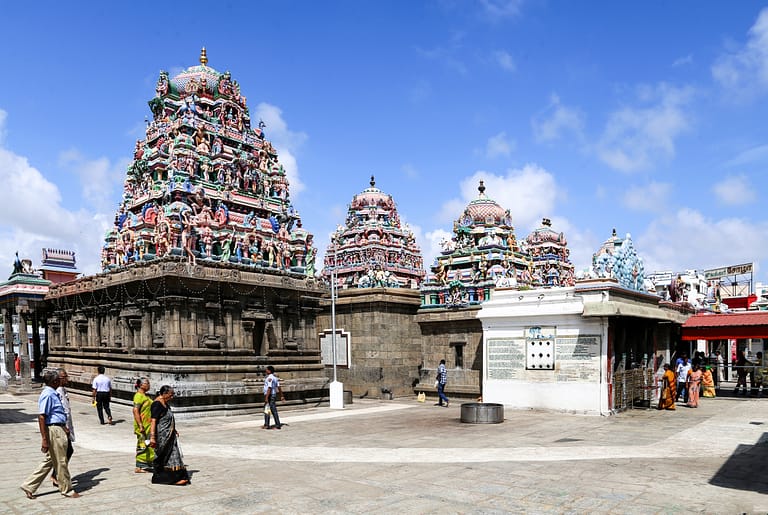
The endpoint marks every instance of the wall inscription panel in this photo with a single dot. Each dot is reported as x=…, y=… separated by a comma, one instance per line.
x=506, y=358
x=578, y=359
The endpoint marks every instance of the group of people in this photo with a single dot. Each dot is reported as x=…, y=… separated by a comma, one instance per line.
x=690, y=380
x=157, y=445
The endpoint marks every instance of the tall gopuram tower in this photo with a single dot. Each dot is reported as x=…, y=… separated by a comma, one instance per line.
x=482, y=254
x=208, y=273
x=372, y=249
x=550, y=257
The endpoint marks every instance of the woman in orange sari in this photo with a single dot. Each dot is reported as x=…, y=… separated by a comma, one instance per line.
x=692, y=383
x=668, y=389
x=707, y=383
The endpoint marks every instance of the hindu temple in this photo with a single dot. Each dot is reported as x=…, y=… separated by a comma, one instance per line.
x=482, y=253
x=372, y=248
x=208, y=272
x=549, y=254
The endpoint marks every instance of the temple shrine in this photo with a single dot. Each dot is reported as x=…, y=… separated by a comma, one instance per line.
x=208, y=272
x=482, y=254
x=372, y=248
x=206, y=185
x=550, y=256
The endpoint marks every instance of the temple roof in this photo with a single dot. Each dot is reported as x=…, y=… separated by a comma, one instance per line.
x=485, y=211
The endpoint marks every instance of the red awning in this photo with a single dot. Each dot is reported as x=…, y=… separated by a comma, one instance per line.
x=724, y=326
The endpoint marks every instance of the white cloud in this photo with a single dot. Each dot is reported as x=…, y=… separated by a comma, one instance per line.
x=286, y=142
x=635, y=137
x=688, y=239
x=682, y=61
x=499, y=145
x=734, y=190
x=651, y=197
x=101, y=181
x=744, y=71
x=500, y=9
x=431, y=245
x=32, y=216
x=505, y=60
x=420, y=91
x=556, y=120
x=758, y=154
x=444, y=57
x=530, y=193
x=410, y=171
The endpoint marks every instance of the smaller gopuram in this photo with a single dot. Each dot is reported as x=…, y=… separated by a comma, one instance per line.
x=22, y=306
x=208, y=274
x=372, y=248
x=550, y=256
x=617, y=259
x=482, y=254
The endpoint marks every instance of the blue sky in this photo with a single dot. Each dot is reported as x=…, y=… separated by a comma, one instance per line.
x=647, y=117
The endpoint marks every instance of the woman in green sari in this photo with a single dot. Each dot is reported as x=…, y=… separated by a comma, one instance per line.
x=141, y=423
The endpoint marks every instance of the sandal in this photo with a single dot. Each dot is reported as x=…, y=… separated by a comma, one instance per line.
x=55, y=483
x=30, y=495
x=138, y=470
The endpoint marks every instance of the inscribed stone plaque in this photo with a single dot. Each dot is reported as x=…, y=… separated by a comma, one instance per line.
x=578, y=358
x=342, y=348
x=506, y=358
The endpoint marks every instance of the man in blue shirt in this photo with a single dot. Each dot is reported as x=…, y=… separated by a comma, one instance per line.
x=52, y=420
x=442, y=378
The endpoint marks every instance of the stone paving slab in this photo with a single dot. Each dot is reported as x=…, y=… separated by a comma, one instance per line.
x=409, y=457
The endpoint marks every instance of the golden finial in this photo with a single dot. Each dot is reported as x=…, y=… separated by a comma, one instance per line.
x=203, y=57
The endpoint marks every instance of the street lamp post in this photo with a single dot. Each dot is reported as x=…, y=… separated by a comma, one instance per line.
x=336, y=388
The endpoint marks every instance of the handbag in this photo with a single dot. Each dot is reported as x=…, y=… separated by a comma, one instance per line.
x=267, y=411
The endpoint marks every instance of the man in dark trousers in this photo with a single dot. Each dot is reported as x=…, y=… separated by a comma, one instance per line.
x=271, y=390
x=102, y=394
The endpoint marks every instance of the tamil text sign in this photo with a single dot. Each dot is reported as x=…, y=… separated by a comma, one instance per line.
x=717, y=273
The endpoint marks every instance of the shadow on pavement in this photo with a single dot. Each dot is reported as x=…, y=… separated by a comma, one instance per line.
x=744, y=469
x=87, y=480
x=15, y=416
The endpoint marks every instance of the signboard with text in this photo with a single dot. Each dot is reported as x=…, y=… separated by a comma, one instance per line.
x=717, y=273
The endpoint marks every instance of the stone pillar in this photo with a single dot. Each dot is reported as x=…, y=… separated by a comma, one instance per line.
x=146, y=329
x=37, y=356
x=8, y=342
x=172, y=321
x=23, y=346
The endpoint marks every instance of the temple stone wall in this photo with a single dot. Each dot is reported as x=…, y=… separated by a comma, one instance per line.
x=396, y=347
x=443, y=331
x=385, y=341
x=209, y=332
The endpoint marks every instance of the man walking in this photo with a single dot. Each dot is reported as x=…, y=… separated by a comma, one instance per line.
x=271, y=389
x=64, y=398
x=52, y=420
x=442, y=378
x=682, y=377
x=102, y=394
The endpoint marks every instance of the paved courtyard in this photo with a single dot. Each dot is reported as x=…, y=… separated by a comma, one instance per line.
x=402, y=456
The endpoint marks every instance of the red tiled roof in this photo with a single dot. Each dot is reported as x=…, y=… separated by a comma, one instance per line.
x=722, y=326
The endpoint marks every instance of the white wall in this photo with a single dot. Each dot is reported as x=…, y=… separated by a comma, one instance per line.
x=576, y=383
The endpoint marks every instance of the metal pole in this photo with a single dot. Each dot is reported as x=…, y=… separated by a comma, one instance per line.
x=333, y=311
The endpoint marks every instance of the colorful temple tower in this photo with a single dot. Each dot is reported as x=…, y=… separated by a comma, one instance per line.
x=372, y=248
x=206, y=185
x=208, y=272
x=550, y=256
x=482, y=254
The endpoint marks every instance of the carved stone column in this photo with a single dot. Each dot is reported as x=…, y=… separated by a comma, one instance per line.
x=8, y=342
x=37, y=355
x=22, y=311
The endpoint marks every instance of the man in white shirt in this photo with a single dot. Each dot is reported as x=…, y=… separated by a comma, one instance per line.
x=102, y=394
x=682, y=377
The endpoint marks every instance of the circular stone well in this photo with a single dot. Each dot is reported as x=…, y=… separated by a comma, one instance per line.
x=482, y=413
